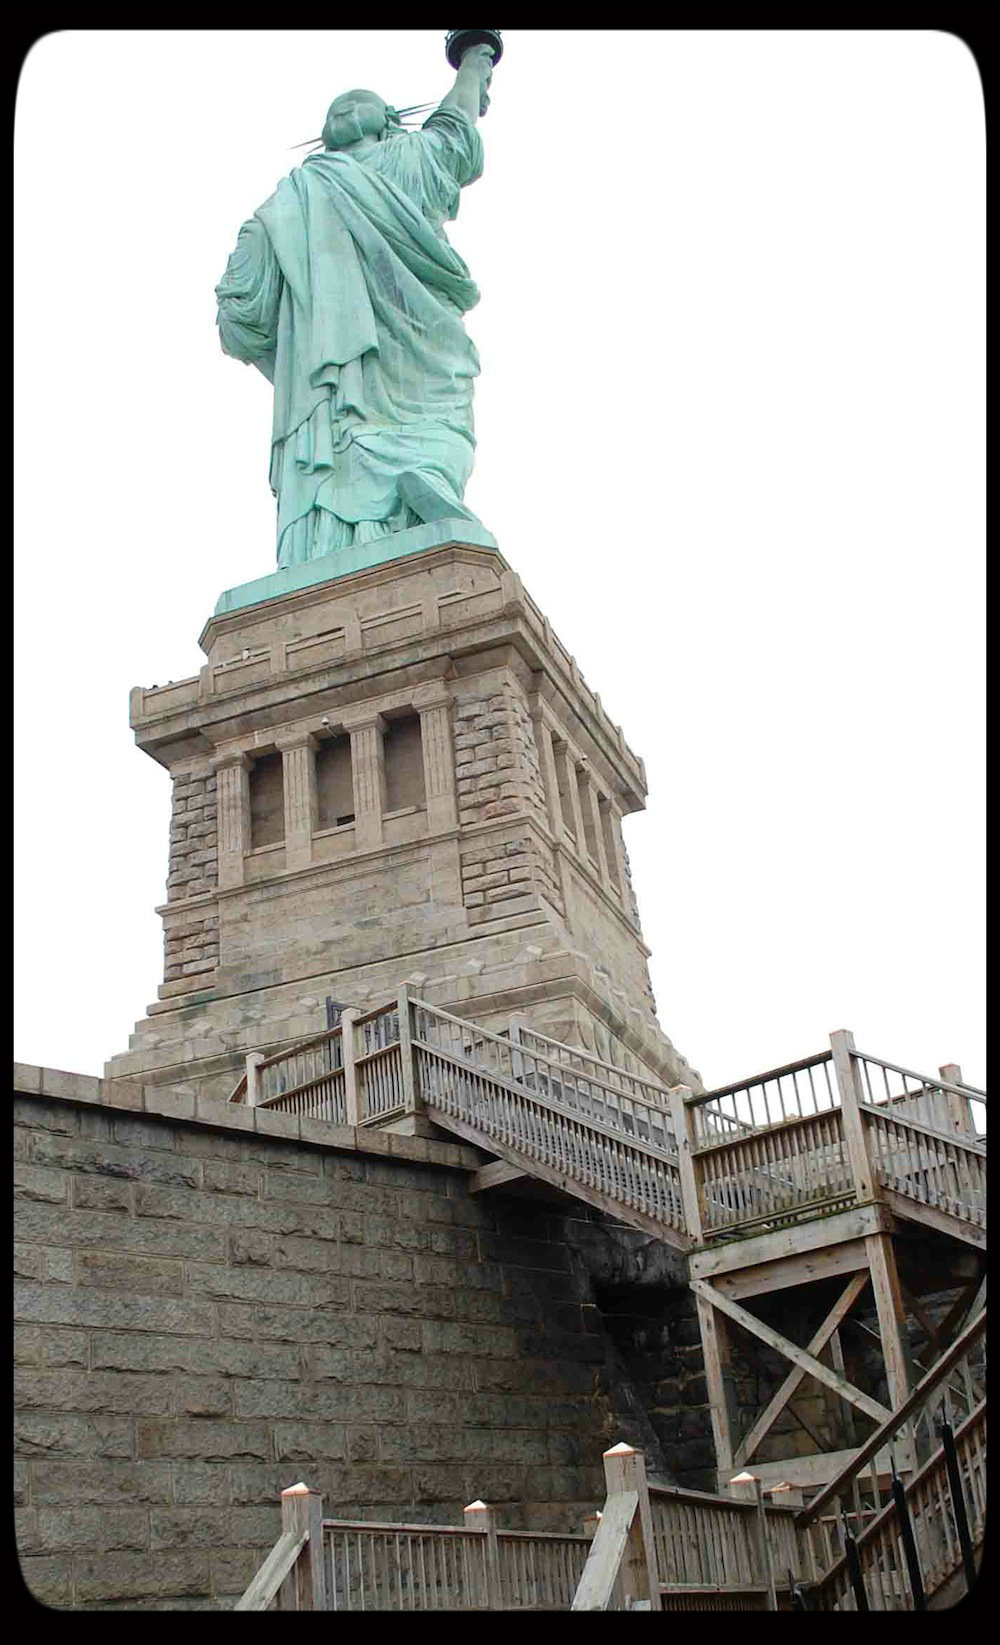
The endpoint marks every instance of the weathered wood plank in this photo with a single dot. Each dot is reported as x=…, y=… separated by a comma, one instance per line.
x=891, y=1316
x=606, y=1553
x=931, y=1217
x=856, y=1223
x=272, y=1573
x=713, y=1353
x=803, y=1269
x=494, y=1175
x=790, y=1350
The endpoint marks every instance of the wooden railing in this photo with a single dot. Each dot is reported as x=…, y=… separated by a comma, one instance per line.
x=364, y=1565
x=552, y=1134
x=945, y=1173
x=939, y=1509
x=633, y=1108
x=859, y=1494
x=833, y=1130
x=793, y=1091
x=663, y=1548
x=292, y=1577
x=811, y=1137
x=800, y=1165
x=608, y=1074
x=350, y=1075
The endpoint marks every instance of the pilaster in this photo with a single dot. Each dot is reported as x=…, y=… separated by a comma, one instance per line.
x=299, y=778
x=433, y=704
x=233, y=798
x=368, y=773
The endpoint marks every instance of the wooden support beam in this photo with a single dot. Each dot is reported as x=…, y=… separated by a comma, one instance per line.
x=804, y=1269
x=820, y=1232
x=713, y=1349
x=891, y=1316
x=791, y=1350
x=931, y=1216
x=784, y=1393
x=494, y=1175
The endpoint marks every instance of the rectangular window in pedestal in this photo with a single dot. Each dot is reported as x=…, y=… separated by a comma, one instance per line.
x=404, y=763
x=267, y=801
x=334, y=783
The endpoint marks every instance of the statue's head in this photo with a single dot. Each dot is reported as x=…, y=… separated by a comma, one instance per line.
x=353, y=115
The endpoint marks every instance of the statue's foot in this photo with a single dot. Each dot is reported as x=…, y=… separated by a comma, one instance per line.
x=427, y=502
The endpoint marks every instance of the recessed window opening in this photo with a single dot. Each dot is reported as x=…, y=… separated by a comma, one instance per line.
x=404, y=763
x=267, y=801
x=334, y=783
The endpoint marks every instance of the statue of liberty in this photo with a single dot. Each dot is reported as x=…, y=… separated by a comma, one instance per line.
x=344, y=291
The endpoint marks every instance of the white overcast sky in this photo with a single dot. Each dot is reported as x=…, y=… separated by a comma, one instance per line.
x=731, y=426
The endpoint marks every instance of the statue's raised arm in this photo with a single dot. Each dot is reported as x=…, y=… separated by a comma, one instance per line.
x=470, y=93
x=344, y=291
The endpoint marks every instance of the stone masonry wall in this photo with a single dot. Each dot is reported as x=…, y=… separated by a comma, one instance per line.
x=206, y=1313
x=194, y=855
x=191, y=938
x=498, y=776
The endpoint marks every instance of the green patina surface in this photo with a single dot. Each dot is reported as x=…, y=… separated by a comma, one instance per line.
x=344, y=292
x=360, y=557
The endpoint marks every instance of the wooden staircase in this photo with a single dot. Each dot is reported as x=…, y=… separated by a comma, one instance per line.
x=799, y=1175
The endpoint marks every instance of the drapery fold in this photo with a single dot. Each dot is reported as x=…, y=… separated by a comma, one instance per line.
x=345, y=293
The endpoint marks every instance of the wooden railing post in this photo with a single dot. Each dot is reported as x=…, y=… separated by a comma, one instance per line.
x=687, y=1167
x=746, y=1487
x=479, y=1516
x=302, y=1512
x=849, y=1085
x=625, y=1470
x=254, y=1060
x=516, y=1031
x=411, y=1100
x=347, y=1053
x=959, y=1108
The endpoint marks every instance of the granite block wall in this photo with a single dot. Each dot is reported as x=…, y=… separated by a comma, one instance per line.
x=206, y=1315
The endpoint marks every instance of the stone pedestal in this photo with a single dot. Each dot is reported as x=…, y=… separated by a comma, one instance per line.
x=474, y=843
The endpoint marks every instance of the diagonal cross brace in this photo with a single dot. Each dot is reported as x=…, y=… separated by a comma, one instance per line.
x=799, y=1356
x=818, y=1341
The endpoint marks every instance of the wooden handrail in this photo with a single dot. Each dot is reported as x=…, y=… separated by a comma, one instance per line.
x=957, y=1139
x=696, y=1100
x=925, y=1079
x=882, y=1516
x=764, y=1131
x=884, y=1433
x=299, y=1046
x=515, y=1089
x=273, y=1572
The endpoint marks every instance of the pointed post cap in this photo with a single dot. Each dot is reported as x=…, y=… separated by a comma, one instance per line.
x=297, y=1490
x=477, y=1507
x=622, y=1450
x=744, y=1478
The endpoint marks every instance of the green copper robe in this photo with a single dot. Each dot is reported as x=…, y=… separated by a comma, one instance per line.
x=345, y=293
